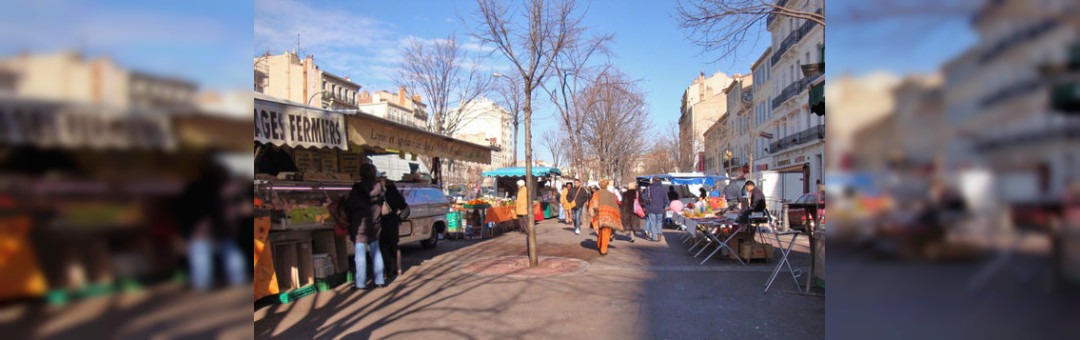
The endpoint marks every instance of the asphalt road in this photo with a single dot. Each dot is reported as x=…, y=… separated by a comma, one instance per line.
x=641, y=290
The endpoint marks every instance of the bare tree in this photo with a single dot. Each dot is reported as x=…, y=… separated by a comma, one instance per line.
x=724, y=25
x=555, y=141
x=443, y=73
x=662, y=156
x=531, y=40
x=614, y=122
x=511, y=98
x=574, y=72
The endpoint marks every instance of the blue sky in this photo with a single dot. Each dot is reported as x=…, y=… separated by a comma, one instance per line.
x=205, y=41
x=366, y=43
x=363, y=39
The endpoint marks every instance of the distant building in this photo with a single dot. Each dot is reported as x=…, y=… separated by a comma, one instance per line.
x=703, y=103
x=490, y=124
x=764, y=123
x=737, y=138
x=68, y=76
x=288, y=77
x=997, y=102
x=798, y=143
x=397, y=107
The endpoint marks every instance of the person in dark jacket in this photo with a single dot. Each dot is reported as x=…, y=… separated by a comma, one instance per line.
x=365, y=209
x=757, y=202
x=655, y=202
x=205, y=213
x=630, y=221
x=579, y=195
x=391, y=223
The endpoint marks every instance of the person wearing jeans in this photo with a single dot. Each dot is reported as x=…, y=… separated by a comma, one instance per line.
x=654, y=201
x=365, y=206
x=362, y=249
x=579, y=196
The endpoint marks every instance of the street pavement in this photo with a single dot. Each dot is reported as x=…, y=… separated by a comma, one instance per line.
x=641, y=290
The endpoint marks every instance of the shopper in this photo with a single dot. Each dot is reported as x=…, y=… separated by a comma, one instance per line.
x=655, y=202
x=606, y=218
x=565, y=214
x=365, y=205
x=391, y=223
x=522, y=207
x=629, y=219
x=578, y=198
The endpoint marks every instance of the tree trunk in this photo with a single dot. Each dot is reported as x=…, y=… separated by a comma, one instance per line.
x=515, y=143
x=529, y=180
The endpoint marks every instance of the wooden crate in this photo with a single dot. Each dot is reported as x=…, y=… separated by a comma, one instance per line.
x=755, y=251
x=293, y=264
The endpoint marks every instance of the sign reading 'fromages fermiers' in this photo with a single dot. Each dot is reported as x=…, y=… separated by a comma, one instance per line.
x=297, y=126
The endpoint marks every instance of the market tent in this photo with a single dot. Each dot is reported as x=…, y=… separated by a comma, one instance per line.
x=709, y=180
x=539, y=171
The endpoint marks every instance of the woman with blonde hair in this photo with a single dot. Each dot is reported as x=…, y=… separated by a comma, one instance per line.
x=606, y=215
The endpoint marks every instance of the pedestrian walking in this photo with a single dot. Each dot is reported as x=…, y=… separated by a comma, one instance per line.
x=564, y=201
x=365, y=206
x=606, y=218
x=391, y=223
x=561, y=197
x=655, y=203
x=630, y=202
x=578, y=199
x=522, y=207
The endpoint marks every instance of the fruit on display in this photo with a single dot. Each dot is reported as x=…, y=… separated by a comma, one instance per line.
x=308, y=214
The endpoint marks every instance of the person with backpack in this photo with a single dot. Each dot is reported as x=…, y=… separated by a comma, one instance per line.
x=391, y=226
x=655, y=202
x=366, y=206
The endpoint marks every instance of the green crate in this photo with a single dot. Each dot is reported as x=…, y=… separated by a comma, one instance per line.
x=333, y=281
x=453, y=222
x=296, y=294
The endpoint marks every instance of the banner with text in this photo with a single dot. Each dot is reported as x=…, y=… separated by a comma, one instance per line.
x=282, y=124
x=377, y=132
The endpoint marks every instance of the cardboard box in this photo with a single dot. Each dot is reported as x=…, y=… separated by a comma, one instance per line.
x=755, y=251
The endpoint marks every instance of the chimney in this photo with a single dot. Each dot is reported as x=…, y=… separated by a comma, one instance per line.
x=401, y=96
x=416, y=98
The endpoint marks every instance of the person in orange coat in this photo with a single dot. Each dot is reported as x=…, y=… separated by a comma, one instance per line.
x=606, y=217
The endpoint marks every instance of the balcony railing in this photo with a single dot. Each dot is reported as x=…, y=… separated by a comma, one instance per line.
x=1019, y=37
x=793, y=38
x=816, y=132
x=772, y=16
x=1012, y=91
x=791, y=90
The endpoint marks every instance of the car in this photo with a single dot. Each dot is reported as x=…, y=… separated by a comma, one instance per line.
x=428, y=207
x=806, y=211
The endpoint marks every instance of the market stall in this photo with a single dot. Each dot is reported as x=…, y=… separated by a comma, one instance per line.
x=92, y=185
x=307, y=157
x=506, y=179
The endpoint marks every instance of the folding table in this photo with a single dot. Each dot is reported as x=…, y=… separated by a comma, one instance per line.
x=784, y=251
x=712, y=233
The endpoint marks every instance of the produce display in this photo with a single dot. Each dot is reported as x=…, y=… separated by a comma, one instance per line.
x=704, y=208
x=488, y=201
x=99, y=214
x=309, y=214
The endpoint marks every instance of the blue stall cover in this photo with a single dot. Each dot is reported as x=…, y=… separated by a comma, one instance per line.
x=519, y=171
x=709, y=180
